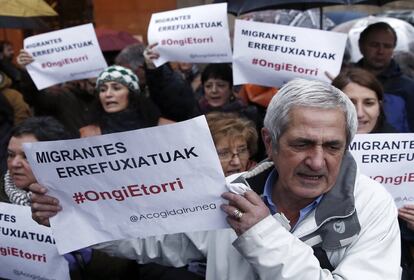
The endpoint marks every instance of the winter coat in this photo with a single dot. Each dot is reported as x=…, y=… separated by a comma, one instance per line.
x=171, y=93
x=145, y=115
x=69, y=104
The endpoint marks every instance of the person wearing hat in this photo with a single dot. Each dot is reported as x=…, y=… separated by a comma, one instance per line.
x=120, y=106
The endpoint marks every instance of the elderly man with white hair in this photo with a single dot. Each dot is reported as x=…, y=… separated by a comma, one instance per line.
x=316, y=216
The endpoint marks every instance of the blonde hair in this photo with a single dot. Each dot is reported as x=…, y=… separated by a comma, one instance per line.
x=231, y=125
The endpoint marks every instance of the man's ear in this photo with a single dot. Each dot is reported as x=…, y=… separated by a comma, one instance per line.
x=267, y=140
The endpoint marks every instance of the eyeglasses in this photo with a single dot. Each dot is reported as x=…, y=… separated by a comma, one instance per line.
x=227, y=155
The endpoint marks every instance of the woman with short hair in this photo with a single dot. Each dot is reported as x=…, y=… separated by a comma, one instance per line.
x=235, y=139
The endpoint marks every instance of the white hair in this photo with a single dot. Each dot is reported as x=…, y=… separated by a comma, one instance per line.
x=307, y=93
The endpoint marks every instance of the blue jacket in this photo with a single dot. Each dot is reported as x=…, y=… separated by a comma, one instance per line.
x=395, y=82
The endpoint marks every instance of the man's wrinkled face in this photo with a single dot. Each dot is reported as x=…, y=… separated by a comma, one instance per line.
x=309, y=153
x=377, y=49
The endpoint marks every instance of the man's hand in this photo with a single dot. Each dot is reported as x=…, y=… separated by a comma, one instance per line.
x=24, y=58
x=43, y=206
x=244, y=211
x=407, y=214
x=150, y=54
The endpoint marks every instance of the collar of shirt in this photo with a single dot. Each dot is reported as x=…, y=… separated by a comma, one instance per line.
x=267, y=198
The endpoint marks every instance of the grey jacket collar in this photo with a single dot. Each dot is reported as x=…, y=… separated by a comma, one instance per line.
x=340, y=200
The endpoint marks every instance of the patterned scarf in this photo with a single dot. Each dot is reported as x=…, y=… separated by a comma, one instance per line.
x=16, y=195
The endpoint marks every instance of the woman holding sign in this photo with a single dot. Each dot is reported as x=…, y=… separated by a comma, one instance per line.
x=366, y=93
x=85, y=263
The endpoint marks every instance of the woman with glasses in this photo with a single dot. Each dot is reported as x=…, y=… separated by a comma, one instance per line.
x=235, y=139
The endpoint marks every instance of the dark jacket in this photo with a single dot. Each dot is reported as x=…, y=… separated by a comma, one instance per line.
x=396, y=83
x=171, y=93
x=70, y=104
x=394, y=110
x=21, y=109
x=385, y=127
x=3, y=196
x=6, y=125
x=141, y=115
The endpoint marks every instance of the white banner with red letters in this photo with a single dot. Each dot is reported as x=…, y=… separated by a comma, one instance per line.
x=151, y=181
x=28, y=250
x=64, y=55
x=195, y=34
x=272, y=54
x=389, y=159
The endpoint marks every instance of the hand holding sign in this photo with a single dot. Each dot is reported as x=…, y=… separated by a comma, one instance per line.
x=174, y=186
x=43, y=206
x=195, y=34
x=64, y=55
x=271, y=54
x=150, y=54
x=24, y=58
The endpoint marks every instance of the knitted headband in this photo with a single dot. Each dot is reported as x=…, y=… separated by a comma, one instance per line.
x=119, y=74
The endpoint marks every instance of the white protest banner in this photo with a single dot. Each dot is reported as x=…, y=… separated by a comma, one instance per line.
x=27, y=250
x=196, y=34
x=64, y=55
x=271, y=54
x=389, y=159
x=152, y=181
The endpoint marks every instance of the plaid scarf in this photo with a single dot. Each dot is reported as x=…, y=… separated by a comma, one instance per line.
x=16, y=195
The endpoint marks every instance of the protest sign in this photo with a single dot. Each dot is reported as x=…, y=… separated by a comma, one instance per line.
x=388, y=159
x=271, y=54
x=196, y=34
x=64, y=55
x=152, y=181
x=28, y=250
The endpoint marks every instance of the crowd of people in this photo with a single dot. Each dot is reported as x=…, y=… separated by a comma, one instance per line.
x=288, y=147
